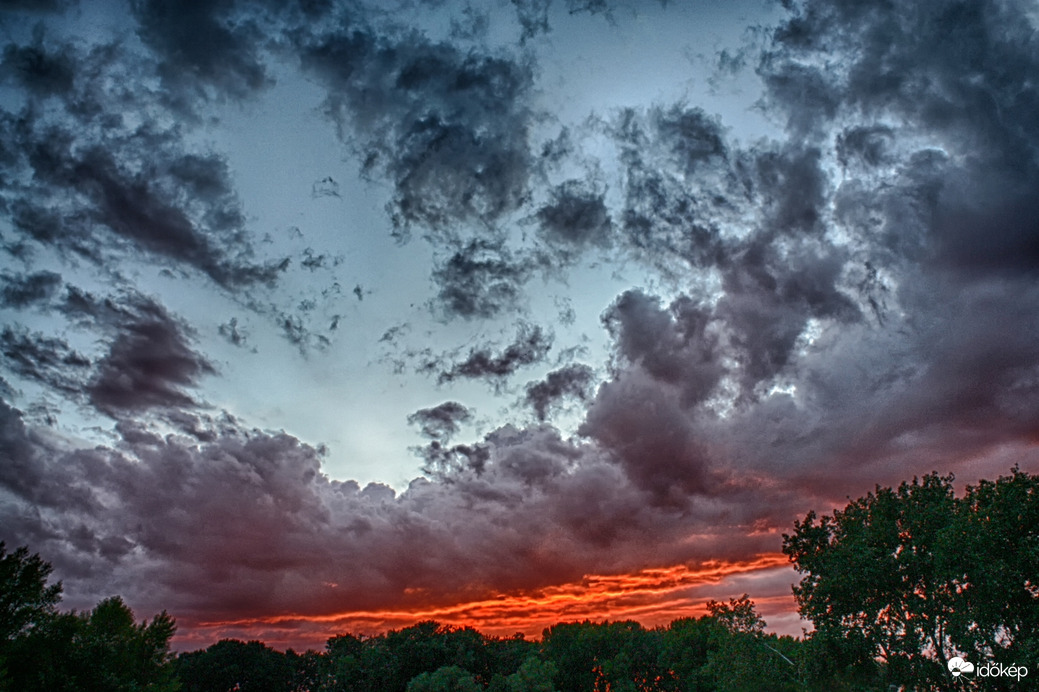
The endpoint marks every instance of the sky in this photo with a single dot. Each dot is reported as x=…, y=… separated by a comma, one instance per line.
x=329, y=316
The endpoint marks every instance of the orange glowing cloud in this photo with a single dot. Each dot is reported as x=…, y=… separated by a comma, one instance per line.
x=652, y=596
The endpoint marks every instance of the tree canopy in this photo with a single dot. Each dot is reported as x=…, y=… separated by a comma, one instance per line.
x=103, y=650
x=902, y=580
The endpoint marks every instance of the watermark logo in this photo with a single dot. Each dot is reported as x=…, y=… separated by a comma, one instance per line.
x=957, y=666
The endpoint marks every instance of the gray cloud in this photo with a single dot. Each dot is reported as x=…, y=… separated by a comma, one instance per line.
x=149, y=364
x=205, y=49
x=480, y=279
x=92, y=170
x=576, y=216
x=261, y=505
x=676, y=345
x=531, y=345
x=22, y=290
x=47, y=360
x=441, y=421
x=448, y=128
x=573, y=381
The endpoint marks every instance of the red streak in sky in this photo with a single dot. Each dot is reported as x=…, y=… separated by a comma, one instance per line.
x=652, y=597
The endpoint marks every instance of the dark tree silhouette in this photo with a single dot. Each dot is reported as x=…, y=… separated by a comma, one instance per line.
x=902, y=580
x=103, y=650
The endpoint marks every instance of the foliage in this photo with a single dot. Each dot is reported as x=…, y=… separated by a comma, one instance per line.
x=25, y=599
x=234, y=665
x=902, y=580
x=446, y=679
x=534, y=675
x=743, y=657
x=103, y=650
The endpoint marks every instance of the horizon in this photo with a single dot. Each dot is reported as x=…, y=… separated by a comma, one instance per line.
x=343, y=314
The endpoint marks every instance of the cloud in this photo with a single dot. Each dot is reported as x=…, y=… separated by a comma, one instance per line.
x=480, y=279
x=150, y=364
x=46, y=360
x=676, y=345
x=575, y=216
x=571, y=381
x=531, y=345
x=267, y=526
x=442, y=421
x=447, y=127
x=41, y=6
x=100, y=184
x=205, y=49
x=956, y=76
x=533, y=17
x=22, y=290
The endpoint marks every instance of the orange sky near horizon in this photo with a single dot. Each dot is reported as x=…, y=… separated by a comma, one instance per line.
x=652, y=597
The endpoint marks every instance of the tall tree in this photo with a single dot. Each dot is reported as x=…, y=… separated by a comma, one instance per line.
x=25, y=599
x=104, y=649
x=913, y=576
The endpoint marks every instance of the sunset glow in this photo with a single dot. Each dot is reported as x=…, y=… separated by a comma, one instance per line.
x=335, y=316
x=651, y=596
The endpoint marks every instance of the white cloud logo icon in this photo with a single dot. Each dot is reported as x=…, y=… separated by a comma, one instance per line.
x=958, y=666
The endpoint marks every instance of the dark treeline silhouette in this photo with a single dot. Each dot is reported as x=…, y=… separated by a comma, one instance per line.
x=898, y=585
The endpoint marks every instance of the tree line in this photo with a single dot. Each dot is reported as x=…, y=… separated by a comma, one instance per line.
x=900, y=585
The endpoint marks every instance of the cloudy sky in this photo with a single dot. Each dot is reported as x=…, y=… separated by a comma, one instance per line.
x=334, y=316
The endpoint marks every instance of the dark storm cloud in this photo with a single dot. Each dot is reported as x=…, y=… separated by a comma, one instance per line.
x=793, y=188
x=648, y=430
x=38, y=70
x=204, y=49
x=682, y=187
x=867, y=145
x=91, y=156
x=261, y=506
x=576, y=216
x=447, y=127
x=770, y=298
x=531, y=346
x=149, y=365
x=676, y=344
x=481, y=279
x=22, y=290
x=182, y=208
x=573, y=381
x=958, y=75
x=43, y=6
x=49, y=361
x=149, y=361
x=442, y=421
x=851, y=326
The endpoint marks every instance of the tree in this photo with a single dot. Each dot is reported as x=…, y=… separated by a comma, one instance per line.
x=533, y=675
x=742, y=657
x=27, y=604
x=111, y=652
x=445, y=679
x=231, y=664
x=25, y=599
x=44, y=649
x=911, y=577
x=598, y=656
